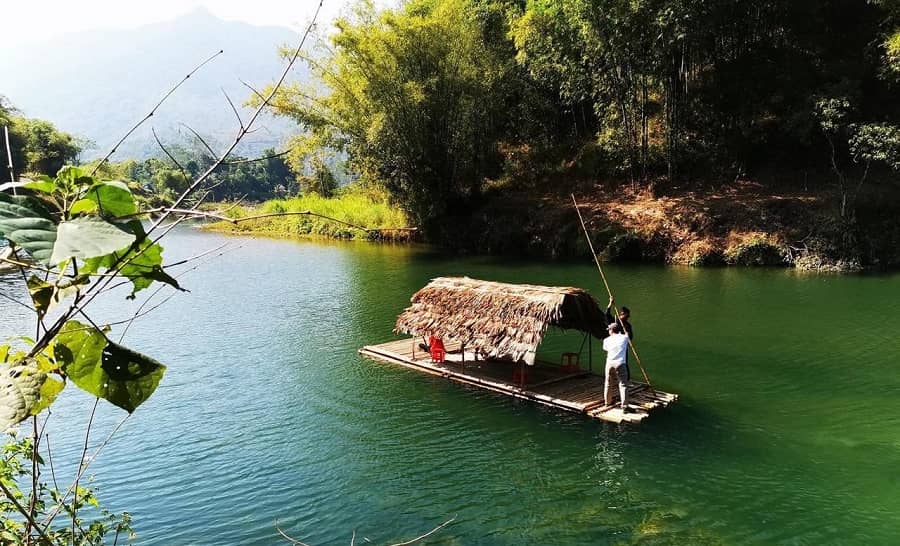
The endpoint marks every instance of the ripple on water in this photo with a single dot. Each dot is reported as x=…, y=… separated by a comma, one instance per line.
x=786, y=432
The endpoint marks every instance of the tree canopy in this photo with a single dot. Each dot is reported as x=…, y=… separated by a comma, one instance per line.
x=433, y=99
x=37, y=146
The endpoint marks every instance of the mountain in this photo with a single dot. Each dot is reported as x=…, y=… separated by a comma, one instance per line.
x=98, y=84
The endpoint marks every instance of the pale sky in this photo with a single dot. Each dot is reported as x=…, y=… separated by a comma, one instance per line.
x=30, y=21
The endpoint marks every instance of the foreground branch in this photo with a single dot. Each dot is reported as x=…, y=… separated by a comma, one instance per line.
x=116, y=268
x=245, y=128
x=220, y=217
x=153, y=111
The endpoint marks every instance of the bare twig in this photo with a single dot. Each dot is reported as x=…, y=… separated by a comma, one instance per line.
x=83, y=468
x=429, y=533
x=196, y=256
x=273, y=156
x=233, y=205
x=145, y=313
x=21, y=509
x=12, y=172
x=138, y=313
x=170, y=156
x=87, y=435
x=233, y=108
x=35, y=446
x=153, y=111
x=251, y=88
x=122, y=262
x=23, y=304
x=293, y=540
x=219, y=216
x=200, y=138
x=61, y=274
x=83, y=299
x=244, y=129
x=287, y=537
x=50, y=462
x=301, y=213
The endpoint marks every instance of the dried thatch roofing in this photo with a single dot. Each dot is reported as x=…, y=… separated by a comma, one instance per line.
x=498, y=319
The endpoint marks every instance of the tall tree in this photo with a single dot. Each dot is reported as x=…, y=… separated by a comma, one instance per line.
x=414, y=97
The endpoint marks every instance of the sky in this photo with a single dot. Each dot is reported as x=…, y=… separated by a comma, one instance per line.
x=34, y=21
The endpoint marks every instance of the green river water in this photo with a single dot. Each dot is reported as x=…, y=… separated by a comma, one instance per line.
x=787, y=431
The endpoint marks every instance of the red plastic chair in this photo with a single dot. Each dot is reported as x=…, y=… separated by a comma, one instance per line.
x=436, y=346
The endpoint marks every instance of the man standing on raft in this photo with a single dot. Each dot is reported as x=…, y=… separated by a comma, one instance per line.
x=616, y=347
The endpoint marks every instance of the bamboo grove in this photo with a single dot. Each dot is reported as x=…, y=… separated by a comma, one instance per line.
x=437, y=98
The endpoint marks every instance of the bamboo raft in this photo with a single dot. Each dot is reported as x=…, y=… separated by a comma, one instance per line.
x=579, y=391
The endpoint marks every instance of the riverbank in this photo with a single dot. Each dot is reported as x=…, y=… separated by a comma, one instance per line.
x=741, y=223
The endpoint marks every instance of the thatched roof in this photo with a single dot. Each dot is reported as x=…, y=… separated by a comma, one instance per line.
x=498, y=319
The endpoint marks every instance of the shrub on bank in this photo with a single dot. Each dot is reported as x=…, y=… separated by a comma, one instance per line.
x=625, y=247
x=698, y=253
x=755, y=249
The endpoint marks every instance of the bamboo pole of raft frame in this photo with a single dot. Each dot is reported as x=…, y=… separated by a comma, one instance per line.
x=608, y=291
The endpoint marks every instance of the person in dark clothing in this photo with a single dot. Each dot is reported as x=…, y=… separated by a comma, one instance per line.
x=622, y=319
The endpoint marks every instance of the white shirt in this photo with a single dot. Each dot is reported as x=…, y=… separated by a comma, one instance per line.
x=616, y=347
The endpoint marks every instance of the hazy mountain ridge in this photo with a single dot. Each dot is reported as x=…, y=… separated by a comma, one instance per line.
x=98, y=84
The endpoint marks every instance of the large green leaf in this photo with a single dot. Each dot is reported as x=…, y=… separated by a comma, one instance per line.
x=115, y=373
x=112, y=198
x=143, y=262
x=87, y=237
x=82, y=206
x=20, y=390
x=43, y=184
x=28, y=224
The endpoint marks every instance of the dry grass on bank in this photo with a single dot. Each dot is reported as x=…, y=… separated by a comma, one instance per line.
x=739, y=224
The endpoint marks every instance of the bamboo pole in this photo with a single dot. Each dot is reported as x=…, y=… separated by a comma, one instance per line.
x=608, y=291
x=12, y=174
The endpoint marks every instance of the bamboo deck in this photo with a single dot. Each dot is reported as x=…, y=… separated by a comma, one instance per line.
x=575, y=391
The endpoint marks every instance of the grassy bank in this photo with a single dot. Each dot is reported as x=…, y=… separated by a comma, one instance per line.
x=348, y=216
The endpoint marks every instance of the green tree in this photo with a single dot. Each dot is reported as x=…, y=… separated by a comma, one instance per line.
x=686, y=82
x=44, y=149
x=854, y=147
x=414, y=97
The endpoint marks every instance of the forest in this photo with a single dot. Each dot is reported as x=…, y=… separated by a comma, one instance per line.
x=697, y=132
x=462, y=107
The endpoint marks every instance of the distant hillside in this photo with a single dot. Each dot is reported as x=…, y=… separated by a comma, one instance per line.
x=97, y=84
